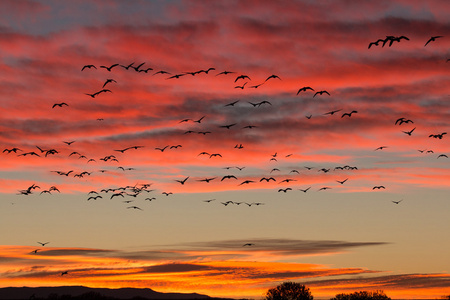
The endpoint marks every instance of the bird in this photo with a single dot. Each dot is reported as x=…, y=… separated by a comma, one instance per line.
x=182, y=181
x=402, y=120
x=228, y=126
x=240, y=86
x=116, y=195
x=242, y=77
x=209, y=200
x=60, y=104
x=162, y=72
x=321, y=93
x=378, y=187
x=432, y=39
x=442, y=155
x=88, y=67
x=248, y=245
x=43, y=244
x=137, y=68
x=94, y=197
x=304, y=190
x=215, y=154
x=409, y=132
x=167, y=193
x=162, y=149
x=375, y=43
x=228, y=177
x=110, y=67
x=438, y=136
x=285, y=190
x=304, y=89
x=135, y=207
x=267, y=179
x=381, y=148
x=176, y=76
x=108, y=81
x=199, y=120
x=127, y=67
x=69, y=143
x=12, y=150
x=324, y=188
x=332, y=112
x=29, y=153
x=397, y=202
x=64, y=273
x=349, y=114
x=207, y=180
x=288, y=180
x=343, y=181
x=225, y=73
x=246, y=182
x=272, y=76
x=231, y=103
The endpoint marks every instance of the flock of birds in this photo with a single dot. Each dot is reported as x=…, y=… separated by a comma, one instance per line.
x=129, y=194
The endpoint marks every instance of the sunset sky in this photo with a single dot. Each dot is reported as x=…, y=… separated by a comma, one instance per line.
x=374, y=117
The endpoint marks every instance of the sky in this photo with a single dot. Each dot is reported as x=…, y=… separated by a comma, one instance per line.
x=224, y=147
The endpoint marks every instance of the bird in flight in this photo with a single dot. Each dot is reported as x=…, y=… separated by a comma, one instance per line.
x=285, y=190
x=88, y=67
x=248, y=245
x=207, y=180
x=228, y=177
x=442, y=155
x=349, y=114
x=43, y=244
x=402, y=120
x=438, y=136
x=108, y=81
x=225, y=73
x=409, y=132
x=343, y=181
x=397, y=202
x=12, y=150
x=110, y=67
x=60, y=104
x=240, y=86
x=242, y=77
x=272, y=76
x=135, y=207
x=64, y=273
x=304, y=89
x=232, y=103
x=304, y=190
x=182, y=181
x=432, y=39
x=378, y=187
x=381, y=148
x=332, y=112
x=320, y=93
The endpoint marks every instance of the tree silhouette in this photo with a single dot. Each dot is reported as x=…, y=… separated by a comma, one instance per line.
x=363, y=295
x=289, y=291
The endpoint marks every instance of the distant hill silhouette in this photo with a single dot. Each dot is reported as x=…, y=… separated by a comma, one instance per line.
x=71, y=292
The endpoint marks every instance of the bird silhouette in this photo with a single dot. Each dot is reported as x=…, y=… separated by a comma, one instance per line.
x=108, y=81
x=438, y=136
x=182, y=181
x=304, y=89
x=442, y=155
x=110, y=67
x=397, y=202
x=321, y=93
x=349, y=114
x=240, y=86
x=409, y=132
x=60, y=104
x=343, y=181
x=285, y=190
x=378, y=187
x=231, y=103
x=242, y=77
x=305, y=190
x=88, y=67
x=228, y=177
x=432, y=39
x=43, y=244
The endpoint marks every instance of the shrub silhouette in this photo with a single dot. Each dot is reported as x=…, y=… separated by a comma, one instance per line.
x=289, y=291
x=363, y=295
